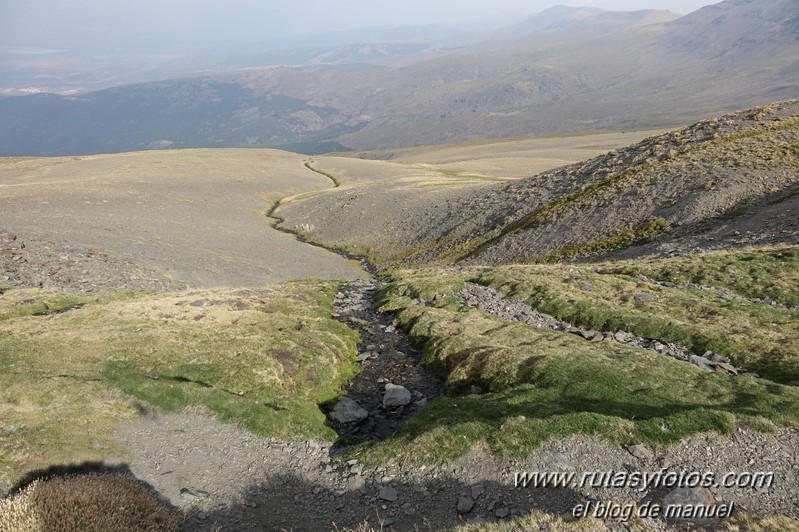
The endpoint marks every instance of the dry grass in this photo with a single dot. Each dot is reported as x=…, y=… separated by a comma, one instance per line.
x=86, y=503
x=513, y=158
x=195, y=215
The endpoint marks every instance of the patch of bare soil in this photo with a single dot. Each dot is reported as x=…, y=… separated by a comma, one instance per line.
x=33, y=263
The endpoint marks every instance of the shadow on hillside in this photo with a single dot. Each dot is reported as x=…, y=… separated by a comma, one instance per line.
x=293, y=504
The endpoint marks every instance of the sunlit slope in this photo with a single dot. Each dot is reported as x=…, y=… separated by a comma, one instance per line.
x=735, y=175
x=391, y=204
x=198, y=216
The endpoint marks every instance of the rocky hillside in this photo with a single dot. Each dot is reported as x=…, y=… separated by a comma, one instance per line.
x=728, y=181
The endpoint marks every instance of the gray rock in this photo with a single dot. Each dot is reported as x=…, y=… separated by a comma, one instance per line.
x=702, y=362
x=396, y=396
x=645, y=298
x=681, y=498
x=726, y=368
x=465, y=505
x=621, y=336
x=641, y=451
x=348, y=411
x=356, y=483
x=718, y=358
x=387, y=493
x=502, y=513
x=477, y=491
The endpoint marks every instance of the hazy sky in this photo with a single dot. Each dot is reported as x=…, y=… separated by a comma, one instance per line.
x=153, y=23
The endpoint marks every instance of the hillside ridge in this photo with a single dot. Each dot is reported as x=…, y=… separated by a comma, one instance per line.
x=665, y=188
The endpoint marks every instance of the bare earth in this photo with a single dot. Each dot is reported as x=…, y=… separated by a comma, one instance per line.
x=228, y=479
x=196, y=216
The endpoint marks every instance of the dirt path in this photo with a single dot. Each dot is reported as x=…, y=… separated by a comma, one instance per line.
x=228, y=479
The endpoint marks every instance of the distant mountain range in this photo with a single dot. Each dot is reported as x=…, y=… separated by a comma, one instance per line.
x=566, y=69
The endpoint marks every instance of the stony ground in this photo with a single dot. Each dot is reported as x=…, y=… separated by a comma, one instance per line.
x=227, y=479
x=719, y=183
x=196, y=216
x=33, y=263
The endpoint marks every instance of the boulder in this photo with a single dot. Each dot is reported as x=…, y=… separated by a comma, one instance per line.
x=396, y=396
x=465, y=505
x=348, y=411
x=387, y=493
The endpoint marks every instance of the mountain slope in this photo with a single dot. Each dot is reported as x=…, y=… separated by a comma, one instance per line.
x=719, y=174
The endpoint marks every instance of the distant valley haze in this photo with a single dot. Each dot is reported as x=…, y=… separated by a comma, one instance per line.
x=309, y=76
x=69, y=47
x=148, y=24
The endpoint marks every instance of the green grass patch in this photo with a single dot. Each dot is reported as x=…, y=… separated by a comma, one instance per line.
x=542, y=384
x=759, y=337
x=309, y=166
x=764, y=273
x=259, y=358
x=15, y=303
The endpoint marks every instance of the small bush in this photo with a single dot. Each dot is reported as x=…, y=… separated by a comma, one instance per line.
x=94, y=502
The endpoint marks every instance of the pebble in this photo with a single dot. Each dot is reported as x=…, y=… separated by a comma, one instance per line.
x=388, y=493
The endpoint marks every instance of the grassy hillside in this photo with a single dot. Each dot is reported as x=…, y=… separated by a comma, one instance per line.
x=540, y=384
x=261, y=358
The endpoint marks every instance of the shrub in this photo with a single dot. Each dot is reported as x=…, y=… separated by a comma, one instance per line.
x=94, y=502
